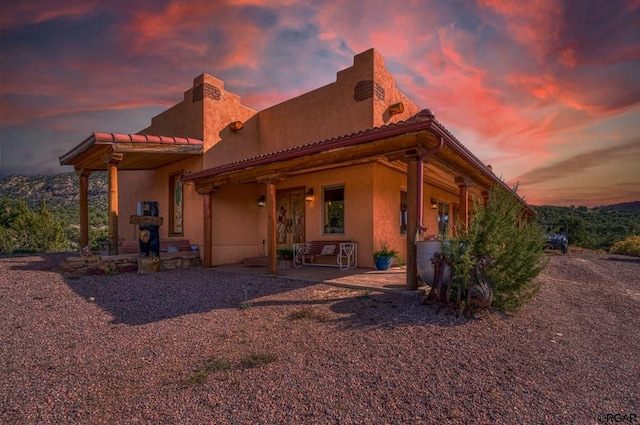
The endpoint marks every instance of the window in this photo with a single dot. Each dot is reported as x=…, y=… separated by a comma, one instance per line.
x=175, y=204
x=403, y=212
x=443, y=219
x=333, y=212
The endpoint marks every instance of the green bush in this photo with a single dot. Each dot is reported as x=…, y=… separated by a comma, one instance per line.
x=514, y=244
x=26, y=230
x=629, y=246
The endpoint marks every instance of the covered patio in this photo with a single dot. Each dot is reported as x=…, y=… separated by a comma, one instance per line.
x=112, y=152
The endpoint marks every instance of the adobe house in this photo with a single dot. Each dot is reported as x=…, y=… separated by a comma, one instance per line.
x=355, y=160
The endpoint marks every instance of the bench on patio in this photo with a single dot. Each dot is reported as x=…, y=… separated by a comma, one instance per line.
x=342, y=254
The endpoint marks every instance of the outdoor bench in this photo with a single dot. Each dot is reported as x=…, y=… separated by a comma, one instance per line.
x=342, y=254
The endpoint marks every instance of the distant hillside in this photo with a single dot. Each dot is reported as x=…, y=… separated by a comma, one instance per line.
x=59, y=191
x=593, y=228
x=62, y=190
x=626, y=206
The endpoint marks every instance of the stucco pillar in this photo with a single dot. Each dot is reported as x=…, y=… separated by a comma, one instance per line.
x=464, y=184
x=412, y=222
x=112, y=175
x=84, y=207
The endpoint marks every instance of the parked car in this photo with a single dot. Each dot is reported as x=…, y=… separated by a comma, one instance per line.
x=557, y=237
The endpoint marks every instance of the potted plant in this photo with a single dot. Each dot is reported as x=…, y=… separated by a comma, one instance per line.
x=383, y=258
x=285, y=254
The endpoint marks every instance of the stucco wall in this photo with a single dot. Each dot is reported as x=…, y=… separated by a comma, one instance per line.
x=235, y=223
x=333, y=110
x=358, y=187
x=153, y=185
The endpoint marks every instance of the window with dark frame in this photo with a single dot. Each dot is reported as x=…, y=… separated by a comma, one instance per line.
x=333, y=209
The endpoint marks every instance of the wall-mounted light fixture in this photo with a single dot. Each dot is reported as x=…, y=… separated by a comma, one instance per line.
x=396, y=108
x=309, y=195
x=262, y=201
x=236, y=126
x=434, y=203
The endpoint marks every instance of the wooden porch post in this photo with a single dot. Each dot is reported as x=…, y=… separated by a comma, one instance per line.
x=112, y=173
x=464, y=185
x=84, y=207
x=272, y=228
x=207, y=192
x=272, y=217
x=206, y=251
x=412, y=222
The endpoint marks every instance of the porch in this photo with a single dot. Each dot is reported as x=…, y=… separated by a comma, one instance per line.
x=391, y=280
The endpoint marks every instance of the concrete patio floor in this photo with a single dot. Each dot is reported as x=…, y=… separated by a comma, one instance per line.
x=392, y=280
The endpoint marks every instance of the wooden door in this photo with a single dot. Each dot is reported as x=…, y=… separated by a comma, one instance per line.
x=290, y=210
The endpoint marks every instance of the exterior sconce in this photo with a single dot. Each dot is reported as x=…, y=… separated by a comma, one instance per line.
x=396, y=108
x=434, y=204
x=262, y=201
x=309, y=195
x=236, y=126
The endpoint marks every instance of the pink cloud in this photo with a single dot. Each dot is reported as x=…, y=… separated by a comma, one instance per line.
x=533, y=24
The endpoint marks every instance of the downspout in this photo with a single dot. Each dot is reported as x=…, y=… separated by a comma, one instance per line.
x=421, y=160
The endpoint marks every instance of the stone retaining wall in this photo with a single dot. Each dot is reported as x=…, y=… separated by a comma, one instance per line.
x=111, y=264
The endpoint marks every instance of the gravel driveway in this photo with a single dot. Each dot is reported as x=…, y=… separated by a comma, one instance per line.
x=203, y=346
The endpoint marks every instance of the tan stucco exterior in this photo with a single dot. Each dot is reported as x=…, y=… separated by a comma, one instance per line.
x=359, y=100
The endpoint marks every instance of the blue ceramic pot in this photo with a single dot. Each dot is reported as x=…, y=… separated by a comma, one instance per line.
x=383, y=263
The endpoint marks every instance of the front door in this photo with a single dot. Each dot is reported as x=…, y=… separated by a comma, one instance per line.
x=290, y=213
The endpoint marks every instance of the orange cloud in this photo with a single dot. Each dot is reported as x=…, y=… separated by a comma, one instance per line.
x=582, y=162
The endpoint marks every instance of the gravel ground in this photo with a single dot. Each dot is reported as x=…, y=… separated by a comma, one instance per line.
x=203, y=346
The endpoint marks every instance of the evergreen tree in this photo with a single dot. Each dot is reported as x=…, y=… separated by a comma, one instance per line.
x=514, y=244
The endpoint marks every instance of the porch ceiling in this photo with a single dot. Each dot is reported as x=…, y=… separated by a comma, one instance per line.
x=137, y=151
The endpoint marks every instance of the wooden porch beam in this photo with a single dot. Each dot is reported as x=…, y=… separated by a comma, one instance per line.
x=371, y=150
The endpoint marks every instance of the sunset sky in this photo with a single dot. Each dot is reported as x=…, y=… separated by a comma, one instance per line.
x=547, y=92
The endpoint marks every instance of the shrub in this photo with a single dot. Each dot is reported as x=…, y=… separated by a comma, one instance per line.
x=515, y=246
x=629, y=246
x=27, y=230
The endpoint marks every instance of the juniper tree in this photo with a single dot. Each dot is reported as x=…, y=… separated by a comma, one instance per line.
x=515, y=245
